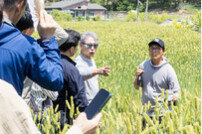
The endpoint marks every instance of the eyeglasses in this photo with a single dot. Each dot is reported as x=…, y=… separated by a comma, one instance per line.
x=154, y=48
x=91, y=44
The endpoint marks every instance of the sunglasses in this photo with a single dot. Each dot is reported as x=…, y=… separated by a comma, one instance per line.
x=154, y=48
x=90, y=45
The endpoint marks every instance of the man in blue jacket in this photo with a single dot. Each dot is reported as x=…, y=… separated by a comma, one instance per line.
x=22, y=56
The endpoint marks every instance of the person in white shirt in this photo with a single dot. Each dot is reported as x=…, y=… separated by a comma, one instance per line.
x=86, y=65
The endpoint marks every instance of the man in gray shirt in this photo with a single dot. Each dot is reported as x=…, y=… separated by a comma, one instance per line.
x=157, y=74
x=86, y=65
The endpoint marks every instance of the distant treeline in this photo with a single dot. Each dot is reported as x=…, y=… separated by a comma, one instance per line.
x=126, y=5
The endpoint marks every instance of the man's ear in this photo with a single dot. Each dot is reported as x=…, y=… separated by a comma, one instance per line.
x=20, y=6
x=164, y=52
x=28, y=31
x=71, y=50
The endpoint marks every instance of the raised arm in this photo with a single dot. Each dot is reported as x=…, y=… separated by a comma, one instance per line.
x=86, y=73
x=45, y=66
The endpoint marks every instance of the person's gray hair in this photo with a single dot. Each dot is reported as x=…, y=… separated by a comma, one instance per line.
x=86, y=34
x=9, y=4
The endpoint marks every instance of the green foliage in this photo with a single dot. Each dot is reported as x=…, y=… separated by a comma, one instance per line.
x=127, y=5
x=88, y=18
x=79, y=18
x=48, y=122
x=197, y=21
x=96, y=18
x=131, y=16
x=188, y=8
x=194, y=23
x=142, y=7
x=59, y=15
x=183, y=25
x=157, y=18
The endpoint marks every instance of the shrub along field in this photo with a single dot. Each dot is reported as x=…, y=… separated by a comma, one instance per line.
x=123, y=46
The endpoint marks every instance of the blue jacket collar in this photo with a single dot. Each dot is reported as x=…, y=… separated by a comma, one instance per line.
x=8, y=21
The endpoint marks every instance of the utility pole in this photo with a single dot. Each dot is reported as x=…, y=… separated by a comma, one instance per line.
x=137, y=10
x=138, y=5
x=147, y=3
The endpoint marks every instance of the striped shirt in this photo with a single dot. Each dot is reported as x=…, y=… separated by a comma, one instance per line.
x=39, y=94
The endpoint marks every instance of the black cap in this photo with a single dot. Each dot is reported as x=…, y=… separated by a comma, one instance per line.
x=158, y=42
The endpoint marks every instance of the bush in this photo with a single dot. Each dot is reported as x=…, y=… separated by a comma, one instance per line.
x=194, y=23
x=79, y=18
x=96, y=18
x=158, y=18
x=142, y=16
x=87, y=18
x=197, y=21
x=131, y=16
x=58, y=15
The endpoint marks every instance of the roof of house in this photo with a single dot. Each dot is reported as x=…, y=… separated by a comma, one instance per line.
x=65, y=3
x=95, y=6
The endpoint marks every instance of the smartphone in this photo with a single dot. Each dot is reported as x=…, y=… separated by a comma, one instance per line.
x=140, y=81
x=97, y=103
